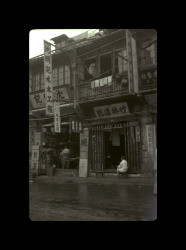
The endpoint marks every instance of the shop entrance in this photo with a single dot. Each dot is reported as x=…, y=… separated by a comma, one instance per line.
x=114, y=148
x=109, y=142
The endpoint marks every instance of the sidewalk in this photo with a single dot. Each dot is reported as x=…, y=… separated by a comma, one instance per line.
x=138, y=181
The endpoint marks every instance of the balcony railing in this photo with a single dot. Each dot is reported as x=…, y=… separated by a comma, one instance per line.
x=94, y=90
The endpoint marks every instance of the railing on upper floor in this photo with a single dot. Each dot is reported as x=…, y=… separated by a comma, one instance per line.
x=100, y=88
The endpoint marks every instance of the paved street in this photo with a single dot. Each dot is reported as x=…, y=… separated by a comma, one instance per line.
x=91, y=202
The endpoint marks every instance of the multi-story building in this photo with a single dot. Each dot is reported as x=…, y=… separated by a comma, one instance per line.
x=107, y=79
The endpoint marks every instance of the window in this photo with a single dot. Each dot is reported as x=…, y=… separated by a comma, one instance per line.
x=42, y=81
x=148, y=54
x=105, y=65
x=67, y=74
x=90, y=68
x=61, y=76
x=121, y=63
x=36, y=82
x=54, y=77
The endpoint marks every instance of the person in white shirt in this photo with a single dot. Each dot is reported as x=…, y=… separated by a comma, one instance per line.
x=123, y=167
x=65, y=157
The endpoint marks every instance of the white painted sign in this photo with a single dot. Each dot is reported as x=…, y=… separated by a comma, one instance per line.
x=150, y=131
x=57, y=117
x=48, y=78
x=114, y=110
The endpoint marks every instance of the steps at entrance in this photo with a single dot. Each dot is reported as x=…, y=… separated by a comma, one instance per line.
x=65, y=172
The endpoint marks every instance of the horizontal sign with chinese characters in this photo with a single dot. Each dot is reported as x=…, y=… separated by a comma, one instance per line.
x=113, y=110
x=38, y=100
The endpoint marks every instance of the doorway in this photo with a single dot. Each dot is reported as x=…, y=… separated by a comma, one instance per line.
x=109, y=142
x=114, y=148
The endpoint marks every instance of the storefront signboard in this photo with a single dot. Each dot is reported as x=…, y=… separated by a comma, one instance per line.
x=48, y=79
x=38, y=99
x=57, y=117
x=150, y=131
x=114, y=110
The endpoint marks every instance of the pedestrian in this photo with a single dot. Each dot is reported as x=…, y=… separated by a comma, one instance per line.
x=155, y=172
x=122, y=167
x=65, y=157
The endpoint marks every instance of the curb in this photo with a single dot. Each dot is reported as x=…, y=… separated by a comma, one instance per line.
x=132, y=181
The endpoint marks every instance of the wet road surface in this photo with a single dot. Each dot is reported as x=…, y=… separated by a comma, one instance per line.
x=91, y=202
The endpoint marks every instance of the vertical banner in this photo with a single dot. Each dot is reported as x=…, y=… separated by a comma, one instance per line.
x=83, y=163
x=150, y=130
x=57, y=117
x=129, y=56
x=35, y=158
x=48, y=78
x=132, y=63
x=137, y=128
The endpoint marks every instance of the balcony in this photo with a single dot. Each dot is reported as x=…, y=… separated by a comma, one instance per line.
x=101, y=88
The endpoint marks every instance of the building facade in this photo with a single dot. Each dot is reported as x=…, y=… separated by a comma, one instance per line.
x=106, y=83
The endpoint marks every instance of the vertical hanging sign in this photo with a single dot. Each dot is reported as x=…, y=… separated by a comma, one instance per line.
x=132, y=63
x=57, y=117
x=150, y=129
x=129, y=56
x=48, y=78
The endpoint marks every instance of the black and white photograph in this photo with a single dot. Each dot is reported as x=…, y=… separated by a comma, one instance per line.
x=92, y=125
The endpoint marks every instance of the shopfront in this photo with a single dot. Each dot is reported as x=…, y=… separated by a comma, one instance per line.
x=122, y=126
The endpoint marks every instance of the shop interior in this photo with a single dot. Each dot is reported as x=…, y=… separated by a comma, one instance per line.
x=54, y=143
x=114, y=148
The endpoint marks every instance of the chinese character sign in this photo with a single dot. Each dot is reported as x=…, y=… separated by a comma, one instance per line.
x=35, y=158
x=48, y=78
x=38, y=99
x=137, y=128
x=57, y=117
x=113, y=110
x=150, y=138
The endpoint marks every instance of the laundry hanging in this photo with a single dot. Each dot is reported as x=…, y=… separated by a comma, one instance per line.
x=115, y=138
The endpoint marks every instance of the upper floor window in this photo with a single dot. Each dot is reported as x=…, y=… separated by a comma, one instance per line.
x=148, y=54
x=90, y=68
x=36, y=82
x=121, y=61
x=61, y=75
x=105, y=65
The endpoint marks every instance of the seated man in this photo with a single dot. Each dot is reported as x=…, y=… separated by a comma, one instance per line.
x=122, y=168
